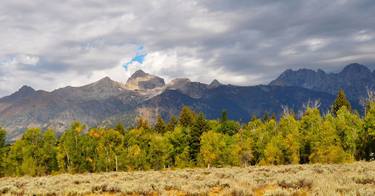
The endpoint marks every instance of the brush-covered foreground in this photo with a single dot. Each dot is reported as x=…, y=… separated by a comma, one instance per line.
x=341, y=179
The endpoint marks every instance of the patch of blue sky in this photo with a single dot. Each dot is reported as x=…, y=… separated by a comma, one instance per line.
x=138, y=58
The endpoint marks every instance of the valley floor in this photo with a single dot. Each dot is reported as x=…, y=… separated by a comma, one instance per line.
x=343, y=179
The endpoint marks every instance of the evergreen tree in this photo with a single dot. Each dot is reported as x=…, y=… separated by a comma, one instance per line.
x=3, y=151
x=224, y=116
x=159, y=126
x=266, y=117
x=199, y=127
x=229, y=127
x=186, y=117
x=2, y=138
x=339, y=102
x=171, y=124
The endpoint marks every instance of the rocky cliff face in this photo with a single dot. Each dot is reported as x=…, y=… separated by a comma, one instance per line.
x=355, y=79
x=144, y=81
x=187, y=87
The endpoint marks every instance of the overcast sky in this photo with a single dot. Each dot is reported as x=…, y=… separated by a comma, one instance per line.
x=54, y=43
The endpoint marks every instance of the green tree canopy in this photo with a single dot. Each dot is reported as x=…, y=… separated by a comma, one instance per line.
x=339, y=102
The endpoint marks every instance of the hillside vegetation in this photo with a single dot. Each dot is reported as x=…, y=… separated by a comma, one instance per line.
x=193, y=141
x=315, y=179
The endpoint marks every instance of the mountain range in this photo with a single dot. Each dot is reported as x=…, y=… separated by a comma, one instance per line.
x=355, y=79
x=107, y=102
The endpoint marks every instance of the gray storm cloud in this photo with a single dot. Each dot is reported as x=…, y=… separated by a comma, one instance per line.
x=50, y=44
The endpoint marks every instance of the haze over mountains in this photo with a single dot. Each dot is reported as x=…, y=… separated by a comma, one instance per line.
x=107, y=102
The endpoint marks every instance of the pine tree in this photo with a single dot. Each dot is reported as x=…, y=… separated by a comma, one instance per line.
x=171, y=124
x=2, y=137
x=224, y=116
x=265, y=117
x=199, y=127
x=340, y=101
x=2, y=151
x=186, y=117
x=160, y=126
x=229, y=127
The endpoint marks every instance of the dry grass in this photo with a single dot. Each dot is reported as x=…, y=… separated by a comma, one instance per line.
x=344, y=179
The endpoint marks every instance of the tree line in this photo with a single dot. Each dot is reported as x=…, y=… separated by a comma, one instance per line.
x=191, y=140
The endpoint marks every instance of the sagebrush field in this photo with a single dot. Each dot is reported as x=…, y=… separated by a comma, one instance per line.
x=341, y=179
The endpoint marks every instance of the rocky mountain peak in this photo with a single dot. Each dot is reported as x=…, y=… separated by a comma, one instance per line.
x=355, y=68
x=139, y=73
x=25, y=90
x=178, y=83
x=214, y=84
x=141, y=80
x=105, y=82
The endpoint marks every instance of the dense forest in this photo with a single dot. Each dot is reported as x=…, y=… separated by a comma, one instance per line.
x=190, y=140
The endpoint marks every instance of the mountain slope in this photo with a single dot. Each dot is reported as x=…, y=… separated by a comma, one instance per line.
x=241, y=103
